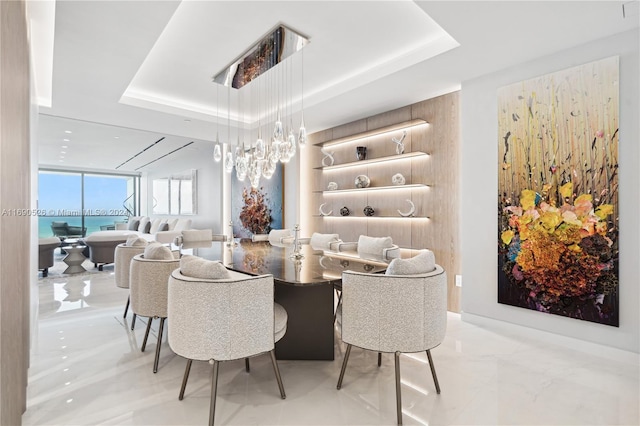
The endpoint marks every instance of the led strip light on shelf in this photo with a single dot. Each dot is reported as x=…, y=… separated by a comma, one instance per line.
x=376, y=132
x=375, y=188
x=375, y=160
x=373, y=217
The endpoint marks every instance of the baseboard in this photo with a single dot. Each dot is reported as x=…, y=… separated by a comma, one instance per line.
x=591, y=348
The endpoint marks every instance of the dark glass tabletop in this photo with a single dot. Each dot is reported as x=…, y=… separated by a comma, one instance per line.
x=260, y=257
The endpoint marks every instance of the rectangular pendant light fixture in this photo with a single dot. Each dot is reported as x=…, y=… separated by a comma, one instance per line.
x=277, y=45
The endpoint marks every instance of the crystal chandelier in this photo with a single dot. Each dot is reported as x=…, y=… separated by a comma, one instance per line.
x=271, y=98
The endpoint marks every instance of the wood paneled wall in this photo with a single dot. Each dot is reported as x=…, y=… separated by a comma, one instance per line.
x=14, y=194
x=441, y=139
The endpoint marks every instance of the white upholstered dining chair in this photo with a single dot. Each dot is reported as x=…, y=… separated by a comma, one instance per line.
x=280, y=236
x=149, y=277
x=394, y=314
x=122, y=266
x=220, y=315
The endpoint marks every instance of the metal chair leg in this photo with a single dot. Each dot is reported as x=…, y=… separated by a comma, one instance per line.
x=344, y=365
x=126, y=308
x=247, y=367
x=214, y=389
x=184, y=379
x=272, y=353
x=398, y=394
x=133, y=323
x=146, y=335
x=155, y=364
x=379, y=359
x=433, y=371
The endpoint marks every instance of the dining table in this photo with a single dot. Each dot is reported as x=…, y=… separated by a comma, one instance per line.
x=304, y=286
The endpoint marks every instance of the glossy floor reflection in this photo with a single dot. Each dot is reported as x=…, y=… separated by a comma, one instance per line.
x=87, y=369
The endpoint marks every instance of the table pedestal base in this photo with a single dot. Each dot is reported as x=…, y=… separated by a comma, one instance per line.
x=309, y=333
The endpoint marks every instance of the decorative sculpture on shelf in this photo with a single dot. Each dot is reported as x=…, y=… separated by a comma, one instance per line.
x=327, y=156
x=399, y=143
x=362, y=181
x=344, y=211
x=411, y=211
x=322, y=213
x=368, y=211
x=361, y=153
x=332, y=186
x=398, y=179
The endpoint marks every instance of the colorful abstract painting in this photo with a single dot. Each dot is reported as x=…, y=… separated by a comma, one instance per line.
x=257, y=210
x=558, y=193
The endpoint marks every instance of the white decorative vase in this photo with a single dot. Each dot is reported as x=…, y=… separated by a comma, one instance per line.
x=398, y=179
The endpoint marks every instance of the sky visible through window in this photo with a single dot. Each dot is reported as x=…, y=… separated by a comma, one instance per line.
x=60, y=199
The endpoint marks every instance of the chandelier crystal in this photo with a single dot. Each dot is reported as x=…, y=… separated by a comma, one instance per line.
x=270, y=58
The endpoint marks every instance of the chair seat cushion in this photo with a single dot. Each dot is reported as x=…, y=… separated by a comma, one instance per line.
x=279, y=322
x=156, y=251
x=197, y=267
x=422, y=263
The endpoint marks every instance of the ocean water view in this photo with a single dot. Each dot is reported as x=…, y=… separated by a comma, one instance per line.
x=92, y=223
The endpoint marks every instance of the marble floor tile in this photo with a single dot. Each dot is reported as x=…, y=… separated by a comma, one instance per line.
x=87, y=369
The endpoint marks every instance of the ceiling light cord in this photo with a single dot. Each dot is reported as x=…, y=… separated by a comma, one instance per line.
x=276, y=105
x=217, y=151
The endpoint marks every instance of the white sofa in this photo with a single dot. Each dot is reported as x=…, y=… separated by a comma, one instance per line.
x=163, y=230
x=102, y=244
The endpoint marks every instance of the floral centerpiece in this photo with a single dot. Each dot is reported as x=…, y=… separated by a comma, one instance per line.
x=561, y=258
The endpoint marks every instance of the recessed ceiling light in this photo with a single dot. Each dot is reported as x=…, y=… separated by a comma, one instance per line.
x=67, y=131
x=64, y=146
x=66, y=140
x=116, y=137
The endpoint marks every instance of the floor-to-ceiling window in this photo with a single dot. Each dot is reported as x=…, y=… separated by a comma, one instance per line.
x=88, y=201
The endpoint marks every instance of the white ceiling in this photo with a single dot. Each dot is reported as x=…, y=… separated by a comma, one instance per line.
x=141, y=70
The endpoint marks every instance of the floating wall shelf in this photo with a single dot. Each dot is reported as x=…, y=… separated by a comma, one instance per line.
x=374, y=188
x=375, y=132
x=352, y=217
x=375, y=160
x=381, y=163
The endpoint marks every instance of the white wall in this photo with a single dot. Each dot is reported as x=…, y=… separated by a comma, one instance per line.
x=480, y=188
x=209, y=184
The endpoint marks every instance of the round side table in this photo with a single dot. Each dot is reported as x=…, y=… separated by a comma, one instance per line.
x=74, y=259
